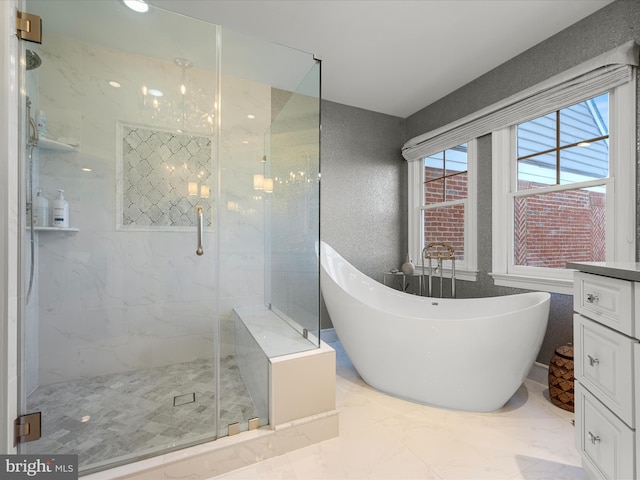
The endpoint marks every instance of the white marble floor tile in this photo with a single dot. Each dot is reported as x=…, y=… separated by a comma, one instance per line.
x=382, y=437
x=369, y=452
x=277, y=468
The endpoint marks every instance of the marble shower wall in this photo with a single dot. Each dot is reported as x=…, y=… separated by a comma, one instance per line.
x=117, y=300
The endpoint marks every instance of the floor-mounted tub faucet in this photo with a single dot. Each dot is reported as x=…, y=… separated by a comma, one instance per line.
x=439, y=251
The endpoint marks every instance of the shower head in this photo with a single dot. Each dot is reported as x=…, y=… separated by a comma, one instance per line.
x=33, y=60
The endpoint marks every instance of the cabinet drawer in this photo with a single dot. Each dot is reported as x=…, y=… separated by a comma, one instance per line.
x=603, y=363
x=603, y=440
x=606, y=300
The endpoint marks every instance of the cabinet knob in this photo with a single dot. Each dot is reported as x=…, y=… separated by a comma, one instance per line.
x=593, y=361
x=591, y=298
x=594, y=438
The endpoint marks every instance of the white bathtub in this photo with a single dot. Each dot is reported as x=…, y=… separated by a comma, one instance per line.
x=459, y=354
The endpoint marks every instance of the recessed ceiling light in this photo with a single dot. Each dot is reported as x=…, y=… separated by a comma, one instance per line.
x=85, y=169
x=114, y=84
x=251, y=116
x=155, y=93
x=137, y=5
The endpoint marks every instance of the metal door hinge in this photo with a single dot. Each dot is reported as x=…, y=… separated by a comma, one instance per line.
x=29, y=27
x=27, y=427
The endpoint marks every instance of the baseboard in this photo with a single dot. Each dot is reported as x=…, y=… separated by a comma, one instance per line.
x=539, y=373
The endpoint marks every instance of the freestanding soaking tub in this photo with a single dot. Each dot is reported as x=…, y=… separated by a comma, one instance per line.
x=459, y=354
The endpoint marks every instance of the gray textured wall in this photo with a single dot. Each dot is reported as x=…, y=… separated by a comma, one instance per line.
x=611, y=26
x=363, y=204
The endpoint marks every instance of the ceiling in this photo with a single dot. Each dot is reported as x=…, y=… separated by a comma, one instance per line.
x=395, y=56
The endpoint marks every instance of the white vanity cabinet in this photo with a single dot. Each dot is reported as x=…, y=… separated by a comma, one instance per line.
x=606, y=336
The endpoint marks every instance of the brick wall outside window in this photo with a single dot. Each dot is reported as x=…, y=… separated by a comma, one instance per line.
x=550, y=229
x=445, y=224
x=554, y=228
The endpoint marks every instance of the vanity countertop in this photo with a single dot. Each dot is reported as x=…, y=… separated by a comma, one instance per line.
x=622, y=270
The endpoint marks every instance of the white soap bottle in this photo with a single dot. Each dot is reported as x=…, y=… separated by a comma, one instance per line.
x=40, y=210
x=61, y=211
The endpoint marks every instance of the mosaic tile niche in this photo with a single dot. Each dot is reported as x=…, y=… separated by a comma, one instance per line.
x=162, y=177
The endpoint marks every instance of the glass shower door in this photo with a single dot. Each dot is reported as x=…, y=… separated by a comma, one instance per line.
x=118, y=322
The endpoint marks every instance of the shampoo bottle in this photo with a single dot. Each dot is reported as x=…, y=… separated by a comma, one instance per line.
x=40, y=210
x=61, y=211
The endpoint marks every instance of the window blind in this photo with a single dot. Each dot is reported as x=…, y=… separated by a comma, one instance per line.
x=584, y=81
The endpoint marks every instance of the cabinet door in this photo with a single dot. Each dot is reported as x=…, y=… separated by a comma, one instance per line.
x=603, y=363
x=606, y=444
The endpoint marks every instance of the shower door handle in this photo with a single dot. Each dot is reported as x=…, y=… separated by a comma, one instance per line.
x=35, y=137
x=199, y=222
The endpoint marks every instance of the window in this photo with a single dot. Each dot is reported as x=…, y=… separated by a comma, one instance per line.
x=554, y=196
x=565, y=148
x=442, y=208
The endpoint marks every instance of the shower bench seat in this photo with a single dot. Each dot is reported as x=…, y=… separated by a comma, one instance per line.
x=290, y=378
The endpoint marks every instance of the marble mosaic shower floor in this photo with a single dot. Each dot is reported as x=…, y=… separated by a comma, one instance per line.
x=113, y=416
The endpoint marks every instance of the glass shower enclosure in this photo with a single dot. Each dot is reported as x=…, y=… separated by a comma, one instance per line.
x=188, y=158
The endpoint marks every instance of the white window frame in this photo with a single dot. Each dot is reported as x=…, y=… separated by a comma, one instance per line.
x=466, y=269
x=620, y=199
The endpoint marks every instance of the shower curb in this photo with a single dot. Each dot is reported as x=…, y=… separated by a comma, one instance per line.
x=229, y=453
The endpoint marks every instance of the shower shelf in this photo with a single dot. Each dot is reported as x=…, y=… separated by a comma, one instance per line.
x=48, y=144
x=56, y=229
